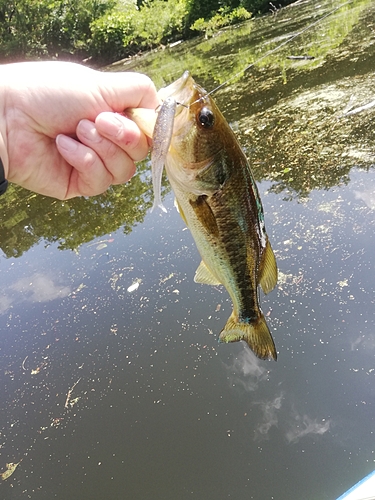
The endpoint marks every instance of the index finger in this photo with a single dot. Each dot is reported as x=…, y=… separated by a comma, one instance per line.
x=128, y=90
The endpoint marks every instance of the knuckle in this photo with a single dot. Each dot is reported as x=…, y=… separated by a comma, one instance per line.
x=111, y=151
x=89, y=160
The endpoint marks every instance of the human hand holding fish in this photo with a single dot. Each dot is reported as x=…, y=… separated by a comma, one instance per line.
x=218, y=199
x=62, y=130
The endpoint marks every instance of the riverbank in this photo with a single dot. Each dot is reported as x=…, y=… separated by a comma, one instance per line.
x=100, y=32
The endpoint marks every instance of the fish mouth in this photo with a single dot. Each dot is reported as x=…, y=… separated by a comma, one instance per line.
x=184, y=90
x=180, y=89
x=175, y=87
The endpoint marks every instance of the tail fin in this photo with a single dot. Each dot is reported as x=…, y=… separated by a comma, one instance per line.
x=256, y=334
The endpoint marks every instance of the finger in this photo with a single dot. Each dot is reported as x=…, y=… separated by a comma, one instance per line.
x=128, y=90
x=89, y=176
x=123, y=132
x=116, y=160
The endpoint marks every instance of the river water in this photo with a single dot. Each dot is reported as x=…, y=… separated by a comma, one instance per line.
x=113, y=385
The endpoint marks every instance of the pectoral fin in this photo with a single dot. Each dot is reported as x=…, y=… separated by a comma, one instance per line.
x=205, y=215
x=268, y=270
x=204, y=275
x=180, y=211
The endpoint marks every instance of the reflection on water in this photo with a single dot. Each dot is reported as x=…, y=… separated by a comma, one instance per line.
x=36, y=288
x=113, y=384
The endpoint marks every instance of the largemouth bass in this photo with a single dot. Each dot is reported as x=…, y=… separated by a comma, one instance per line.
x=218, y=199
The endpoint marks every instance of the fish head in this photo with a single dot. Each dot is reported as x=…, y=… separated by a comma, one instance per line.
x=197, y=130
x=200, y=139
x=200, y=136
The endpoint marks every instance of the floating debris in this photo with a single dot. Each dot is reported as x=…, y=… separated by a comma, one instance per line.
x=343, y=283
x=23, y=363
x=10, y=468
x=359, y=109
x=101, y=246
x=36, y=370
x=163, y=280
x=71, y=402
x=300, y=58
x=134, y=286
x=101, y=242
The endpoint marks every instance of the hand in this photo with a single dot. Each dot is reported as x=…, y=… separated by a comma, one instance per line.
x=65, y=135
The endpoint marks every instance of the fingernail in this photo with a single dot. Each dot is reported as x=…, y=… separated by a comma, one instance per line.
x=114, y=124
x=88, y=130
x=67, y=143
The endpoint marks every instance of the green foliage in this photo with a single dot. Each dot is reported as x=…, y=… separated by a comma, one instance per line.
x=223, y=17
x=47, y=28
x=107, y=30
x=263, y=6
x=68, y=25
x=21, y=23
x=122, y=32
x=112, y=35
x=158, y=21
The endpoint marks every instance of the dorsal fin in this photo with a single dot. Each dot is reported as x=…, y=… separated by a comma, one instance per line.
x=268, y=270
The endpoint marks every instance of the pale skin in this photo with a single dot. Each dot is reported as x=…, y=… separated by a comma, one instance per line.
x=62, y=129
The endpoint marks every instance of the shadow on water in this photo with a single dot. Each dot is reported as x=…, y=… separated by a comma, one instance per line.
x=112, y=383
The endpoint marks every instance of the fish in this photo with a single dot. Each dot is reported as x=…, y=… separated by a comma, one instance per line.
x=218, y=199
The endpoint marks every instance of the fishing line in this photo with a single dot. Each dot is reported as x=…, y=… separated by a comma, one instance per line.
x=275, y=49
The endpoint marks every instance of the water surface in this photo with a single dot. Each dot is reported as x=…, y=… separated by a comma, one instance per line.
x=113, y=384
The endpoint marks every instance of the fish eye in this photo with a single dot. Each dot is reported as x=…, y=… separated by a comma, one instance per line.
x=206, y=118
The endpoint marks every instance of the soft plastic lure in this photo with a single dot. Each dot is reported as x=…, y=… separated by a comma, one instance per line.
x=161, y=138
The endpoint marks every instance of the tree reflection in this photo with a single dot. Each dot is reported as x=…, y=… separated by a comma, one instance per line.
x=28, y=218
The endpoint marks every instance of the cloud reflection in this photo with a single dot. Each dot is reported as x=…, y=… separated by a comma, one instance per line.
x=275, y=413
x=304, y=425
x=367, y=196
x=36, y=288
x=270, y=416
x=366, y=342
x=247, y=371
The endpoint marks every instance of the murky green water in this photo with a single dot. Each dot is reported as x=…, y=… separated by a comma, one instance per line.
x=113, y=385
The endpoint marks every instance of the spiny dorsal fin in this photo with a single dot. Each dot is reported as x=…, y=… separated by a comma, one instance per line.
x=256, y=334
x=204, y=275
x=268, y=270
